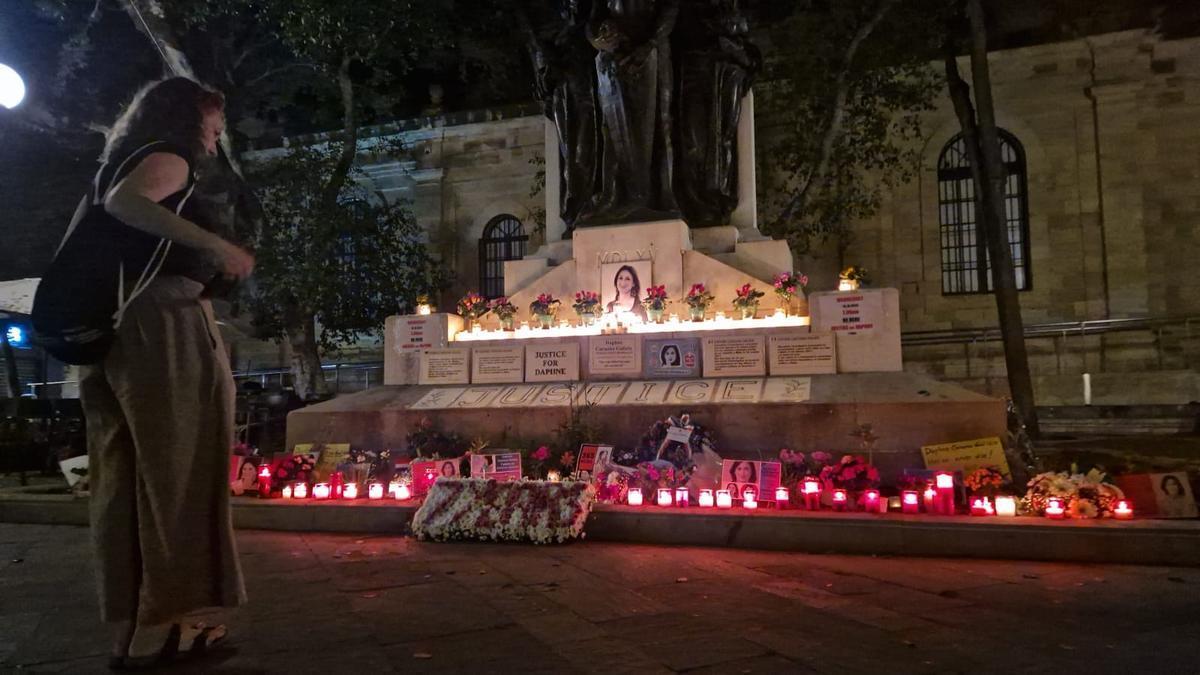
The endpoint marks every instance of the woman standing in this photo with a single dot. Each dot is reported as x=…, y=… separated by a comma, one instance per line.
x=627, y=292
x=159, y=406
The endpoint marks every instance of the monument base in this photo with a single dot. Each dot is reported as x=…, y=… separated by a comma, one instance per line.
x=905, y=410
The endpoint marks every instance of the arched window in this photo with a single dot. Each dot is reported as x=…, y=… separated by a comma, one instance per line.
x=965, y=266
x=503, y=239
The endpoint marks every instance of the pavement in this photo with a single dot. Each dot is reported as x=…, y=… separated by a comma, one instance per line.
x=322, y=603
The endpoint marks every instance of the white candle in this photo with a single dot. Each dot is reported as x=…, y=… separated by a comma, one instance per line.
x=375, y=491
x=1006, y=506
x=287, y=491
x=634, y=498
x=301, y=491
x=403, y=492
x=350, y=491
x=664, y=497
x=724, y=499
x=706, y=499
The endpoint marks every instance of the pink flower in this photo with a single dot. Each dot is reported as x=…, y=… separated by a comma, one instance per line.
x=848, y=473
x=652, y=473
x=778, y=284
x=821, y=456
x=791, y=289
x=541, y=454
x=803, y=279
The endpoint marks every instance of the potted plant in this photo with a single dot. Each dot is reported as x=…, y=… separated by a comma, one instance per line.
x=984, y=482
x=655, y=303
x=544, y=309
x=698, y=299
x=746, y=301
x=587, y=306
x=504, y=310
x=471, y=307
x=789, y=286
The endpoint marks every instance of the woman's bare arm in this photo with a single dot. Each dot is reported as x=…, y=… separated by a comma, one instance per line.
x=134, y=201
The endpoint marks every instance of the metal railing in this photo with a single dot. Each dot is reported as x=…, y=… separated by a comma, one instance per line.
x=281, y=376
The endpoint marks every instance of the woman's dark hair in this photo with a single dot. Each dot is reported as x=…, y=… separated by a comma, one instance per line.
x=1174, y=479
x=734, y=467
x=636, y=291
x=169, y=110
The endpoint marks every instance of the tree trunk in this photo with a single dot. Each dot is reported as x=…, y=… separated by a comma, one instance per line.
x=987, y=170
x=307, y=377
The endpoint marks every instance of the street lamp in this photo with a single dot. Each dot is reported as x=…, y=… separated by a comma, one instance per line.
x=12, y=87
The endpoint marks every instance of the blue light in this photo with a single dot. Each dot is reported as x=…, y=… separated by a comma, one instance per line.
x=16, y=336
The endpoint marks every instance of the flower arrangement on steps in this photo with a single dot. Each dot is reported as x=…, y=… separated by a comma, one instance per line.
x=587, y=306
x=655, y=303
x=544, y=308
x=746, y=301
x=488, y=510
x=504, y=311
x=789, y=286
x=698, y=299
x=471, y=307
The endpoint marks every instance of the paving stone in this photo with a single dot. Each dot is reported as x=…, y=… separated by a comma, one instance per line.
x=507, y=649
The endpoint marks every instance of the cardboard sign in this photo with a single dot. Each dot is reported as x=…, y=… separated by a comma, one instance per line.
x=504, y=466
x=329, y=455
x=739, y=474
x=74, y=469
x=588, y=454
x=966, y=456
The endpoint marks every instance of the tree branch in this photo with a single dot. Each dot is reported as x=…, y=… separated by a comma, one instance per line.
x=837, y=115
x=275, y=71
x=341, y=170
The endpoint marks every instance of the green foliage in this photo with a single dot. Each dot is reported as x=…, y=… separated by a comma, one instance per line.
x=888, y=83
x=350, y=265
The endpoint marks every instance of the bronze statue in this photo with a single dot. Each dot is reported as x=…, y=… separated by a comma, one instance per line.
x=625, y=109
x=566, y=85
x=717, y=65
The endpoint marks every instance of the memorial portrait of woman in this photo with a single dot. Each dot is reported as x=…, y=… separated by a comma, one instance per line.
x=246, y=479
x=449, y=469
x=627, y=280
x=1174, y=497
x=669, y=356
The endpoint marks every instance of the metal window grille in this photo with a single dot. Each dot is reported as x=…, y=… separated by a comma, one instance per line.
x=503, y=239
x=965, y=265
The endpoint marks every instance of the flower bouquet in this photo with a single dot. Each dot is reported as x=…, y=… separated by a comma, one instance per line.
x=587, y=306
x=655, y=302
x=746, y=301
x=504, y=310
x=853, y=474
x=1084, y=495
x=294, y=469
x=789, y=286
x=471, y=307
x=490, y=510
x=797, y=466
x=985, y=481
x=698, y=299
x=544, y=308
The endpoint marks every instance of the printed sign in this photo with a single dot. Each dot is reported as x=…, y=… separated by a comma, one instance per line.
x=445, y=366
x=852, y=312
x=588, y=454
x=738, y=475
x=811, y=354
x=497, y=365
x=615, y=355
x=734, y=355
x=670, y=357
x=419, y=332
x=502, y=466
x=74, y=469
x=552, y=363
x=423, y=476
x=966, y=456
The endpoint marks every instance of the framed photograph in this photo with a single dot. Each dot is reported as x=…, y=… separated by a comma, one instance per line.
x=1160, y=495
x=737, y=475
x=623, y=287
x=243, y=475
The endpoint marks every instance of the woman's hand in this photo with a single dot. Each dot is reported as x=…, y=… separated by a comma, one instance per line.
x=235, y=261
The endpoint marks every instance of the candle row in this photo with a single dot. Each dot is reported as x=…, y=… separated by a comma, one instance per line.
x=326, y=491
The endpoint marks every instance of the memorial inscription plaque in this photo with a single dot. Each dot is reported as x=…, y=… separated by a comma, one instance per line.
x=445, y=366
x=497, y=365
x=552, y=363
x=812, y=354
x=734, y=355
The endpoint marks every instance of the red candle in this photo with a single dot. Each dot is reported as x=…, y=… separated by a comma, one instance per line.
x=812, y=494
x=1054, y=508
x=982, y=506
x=336, y=484
x=634, y=498
x=909, y=502
x=945, y=493
x=930, y=496
x=264, y=481
x=1123, y=510
x=871, y=501
x=782, y=498
x=839, y=499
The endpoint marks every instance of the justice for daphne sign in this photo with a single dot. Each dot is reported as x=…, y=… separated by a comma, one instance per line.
x=552, y=363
